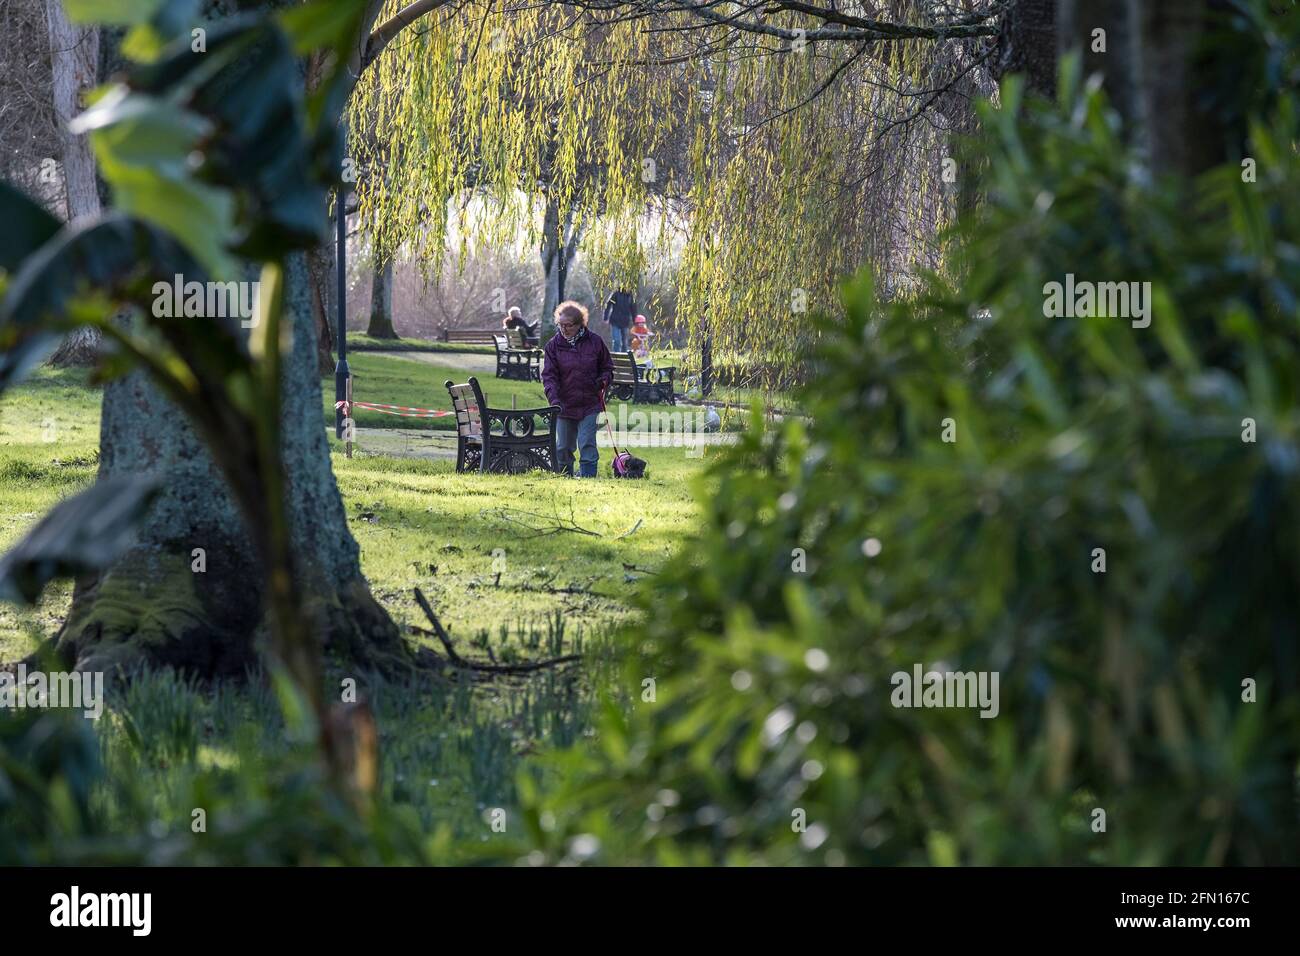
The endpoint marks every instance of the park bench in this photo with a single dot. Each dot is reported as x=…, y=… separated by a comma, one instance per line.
x=529, y=337
x=509, y=440
x=639, y=383
x=470, y=336
x=514, y=360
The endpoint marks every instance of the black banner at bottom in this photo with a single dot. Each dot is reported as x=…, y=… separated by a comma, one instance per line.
x=340, y=905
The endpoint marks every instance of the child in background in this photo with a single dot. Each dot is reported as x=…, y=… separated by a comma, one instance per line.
x=641, y=340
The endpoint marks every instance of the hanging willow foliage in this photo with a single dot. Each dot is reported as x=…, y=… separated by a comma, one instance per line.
x=768, y=168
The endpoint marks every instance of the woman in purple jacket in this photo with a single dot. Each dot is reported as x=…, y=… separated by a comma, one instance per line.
x=575, y=374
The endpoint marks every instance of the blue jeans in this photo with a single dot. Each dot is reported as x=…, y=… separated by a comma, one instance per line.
x=618, y=339
x=579, y=433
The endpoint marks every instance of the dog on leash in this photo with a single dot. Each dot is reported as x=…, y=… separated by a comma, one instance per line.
x=627, y=465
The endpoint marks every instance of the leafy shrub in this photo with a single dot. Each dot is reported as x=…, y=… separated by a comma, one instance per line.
x=1120, y=691
x=49, y=762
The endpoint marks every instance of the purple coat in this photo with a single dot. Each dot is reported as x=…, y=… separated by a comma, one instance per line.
x=573, y=375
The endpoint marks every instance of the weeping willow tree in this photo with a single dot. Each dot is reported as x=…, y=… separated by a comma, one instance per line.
x=770, y=150
x=770, y=168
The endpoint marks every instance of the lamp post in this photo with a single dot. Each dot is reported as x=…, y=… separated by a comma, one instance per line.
x=341, y=371
x=562, y=276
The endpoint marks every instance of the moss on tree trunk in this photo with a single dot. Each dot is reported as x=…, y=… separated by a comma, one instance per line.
x=154, y=606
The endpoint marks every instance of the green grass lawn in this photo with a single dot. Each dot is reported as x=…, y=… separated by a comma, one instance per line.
x=49, y=448
x=418, y=522
x=484, y=548
x=504, y=589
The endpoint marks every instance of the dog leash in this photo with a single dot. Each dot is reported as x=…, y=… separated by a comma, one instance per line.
x=608, y=427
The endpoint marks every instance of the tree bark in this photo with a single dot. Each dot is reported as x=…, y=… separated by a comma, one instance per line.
x=554, y=233
x=381, y=300
x=706, y=360
x=1027, y=45
x=1150, y=72
x=550, y=253
x=1112, y=53
x=320, y=268
x=1173, y=132
x=189, y=594
x=74, y=58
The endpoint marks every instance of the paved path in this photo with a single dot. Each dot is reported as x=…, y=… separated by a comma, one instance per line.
x=416, y=443
x=463, y=361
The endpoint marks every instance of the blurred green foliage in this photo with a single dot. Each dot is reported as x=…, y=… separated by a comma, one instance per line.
x=772, y=737
x=124, y=790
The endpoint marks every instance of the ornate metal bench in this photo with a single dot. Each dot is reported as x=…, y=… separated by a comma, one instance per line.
x=637, y=383
x=514, y=361
x=512, y=440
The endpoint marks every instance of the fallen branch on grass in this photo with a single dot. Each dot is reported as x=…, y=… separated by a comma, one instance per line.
x=555, y=524
x=545, y=586
x=457, y=661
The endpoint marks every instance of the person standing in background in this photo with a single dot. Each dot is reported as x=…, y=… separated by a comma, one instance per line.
x=619, y=309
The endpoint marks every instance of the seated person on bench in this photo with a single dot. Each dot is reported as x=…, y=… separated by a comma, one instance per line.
x=515, y=320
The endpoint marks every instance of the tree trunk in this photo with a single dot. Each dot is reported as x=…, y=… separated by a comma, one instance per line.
x=1149, y=70
x=555, y=232
x=1105, y=32
x=550, y=253
x=1027, y=45
x=320, y=267
x=154, y=605
x=381, y=300
x=74, y=57
x=1175, y=133
x=706, y=360
x=189, y=594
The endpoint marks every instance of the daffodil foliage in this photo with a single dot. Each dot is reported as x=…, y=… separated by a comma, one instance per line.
x=766, y=167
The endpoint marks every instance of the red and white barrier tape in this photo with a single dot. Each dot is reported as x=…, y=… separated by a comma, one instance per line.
x=404, y=411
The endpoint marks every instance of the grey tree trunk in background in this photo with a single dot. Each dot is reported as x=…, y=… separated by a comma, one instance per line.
x=74, y=58
x=1027, y=45
x=1177, y=133
x=380, y=325
x=556, y=232
x=1149, y=72
x=189, y=594
x=321, y=271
